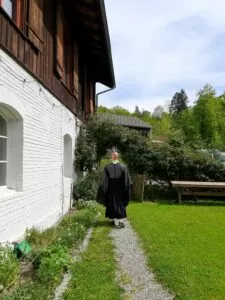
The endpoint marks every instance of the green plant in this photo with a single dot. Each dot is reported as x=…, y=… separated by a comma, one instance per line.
x=38, y=238
x=72, y=235
x=82, y=204
x=53, y=261
x=9, y=267
x=86, y=187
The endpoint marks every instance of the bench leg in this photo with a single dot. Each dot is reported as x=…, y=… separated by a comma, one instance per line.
x=179, y=197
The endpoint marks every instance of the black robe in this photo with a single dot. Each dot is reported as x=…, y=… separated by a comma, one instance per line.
x=114, y=191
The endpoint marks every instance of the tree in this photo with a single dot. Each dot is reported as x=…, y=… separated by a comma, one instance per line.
x=206, y=111
x=137, y=112
x=158, y=111
x=118, y=110
x=179, y=103
x=145, y=114
x=103, y=109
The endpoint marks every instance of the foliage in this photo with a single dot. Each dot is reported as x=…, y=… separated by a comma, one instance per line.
x=9, y=267
x=158, y=111
x=85, y=151
x=137, y=112
x=31, y=291
x=117, y=110
x=81, y=204
x=72, y=230
x=179, y=103
x=174, y=161
x=184, y=246
x=53, y=261
x=86, y=187
x=38, y=238
x=105, y=136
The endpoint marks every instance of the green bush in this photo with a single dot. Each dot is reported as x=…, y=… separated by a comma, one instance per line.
x=82, y=204
x=9, y=267
x=72, y=235
x=50, y=262
x=40, y=238
x=30, y=291
x=171, y=160
x=168, y=163
x=54, y=260
x=86, y=188
x=72, y=230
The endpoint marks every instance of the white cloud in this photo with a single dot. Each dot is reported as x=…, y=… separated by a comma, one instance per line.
x=162, y=46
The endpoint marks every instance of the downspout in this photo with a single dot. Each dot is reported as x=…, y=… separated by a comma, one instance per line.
x=100, y=93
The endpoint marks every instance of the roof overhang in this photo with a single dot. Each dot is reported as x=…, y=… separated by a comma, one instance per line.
x=90, y=17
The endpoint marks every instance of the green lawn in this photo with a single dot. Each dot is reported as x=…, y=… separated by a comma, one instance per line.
x=94, y=276
x=185, y=245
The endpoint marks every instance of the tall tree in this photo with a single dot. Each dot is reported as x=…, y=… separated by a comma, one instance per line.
x=158, y=111
x=205, y=112
x=137, y=112
x=179, y=103
x=118, y=110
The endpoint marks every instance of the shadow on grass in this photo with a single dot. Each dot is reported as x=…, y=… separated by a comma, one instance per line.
x=103, y=223
x=188, y=202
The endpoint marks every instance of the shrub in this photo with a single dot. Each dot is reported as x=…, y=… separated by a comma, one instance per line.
x=72, y=235
x=82, y=204
x=86, y=188
x=181, y=163
x=53, y=261
x=72, y=229
x=9, y=267
x=41, y=238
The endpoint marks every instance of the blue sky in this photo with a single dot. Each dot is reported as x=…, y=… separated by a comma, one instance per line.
x=161, y=46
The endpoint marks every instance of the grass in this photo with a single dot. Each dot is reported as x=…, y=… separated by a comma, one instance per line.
x=93, y=278
x=185, y=246
x=50, y=256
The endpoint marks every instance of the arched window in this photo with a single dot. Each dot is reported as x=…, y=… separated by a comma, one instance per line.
x=68, y=156
x=3, y=150
x=11, y=148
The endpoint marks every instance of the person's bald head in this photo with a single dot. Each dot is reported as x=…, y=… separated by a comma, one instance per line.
x=115, y=155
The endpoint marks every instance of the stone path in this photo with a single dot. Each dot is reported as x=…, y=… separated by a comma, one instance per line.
x=133, y=274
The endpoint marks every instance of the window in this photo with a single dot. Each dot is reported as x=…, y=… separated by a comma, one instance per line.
x=68, y=158
x=8, y=7
x=16, y=9
x=3, y=151
x=11, y=148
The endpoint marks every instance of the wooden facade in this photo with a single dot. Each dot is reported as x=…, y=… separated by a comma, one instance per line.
x=63, y=44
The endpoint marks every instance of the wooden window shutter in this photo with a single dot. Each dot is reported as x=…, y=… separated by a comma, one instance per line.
x=35, y=23
x=75, y=70
x=59, y=40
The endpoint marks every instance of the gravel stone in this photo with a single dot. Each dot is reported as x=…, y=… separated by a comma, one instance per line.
x=133, y=274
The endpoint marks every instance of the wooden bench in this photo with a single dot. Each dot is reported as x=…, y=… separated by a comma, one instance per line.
x=193, y=188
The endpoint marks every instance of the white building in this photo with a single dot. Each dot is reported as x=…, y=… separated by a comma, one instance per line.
x=44, y=95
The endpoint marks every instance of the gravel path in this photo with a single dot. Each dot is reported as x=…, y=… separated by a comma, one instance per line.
x=133, y=274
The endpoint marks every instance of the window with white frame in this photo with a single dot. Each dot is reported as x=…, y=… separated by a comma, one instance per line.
x=11, y=148
x=3, y=151
x=68, y=156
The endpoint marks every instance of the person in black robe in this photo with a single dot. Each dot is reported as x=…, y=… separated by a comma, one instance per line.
x=114, y=191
